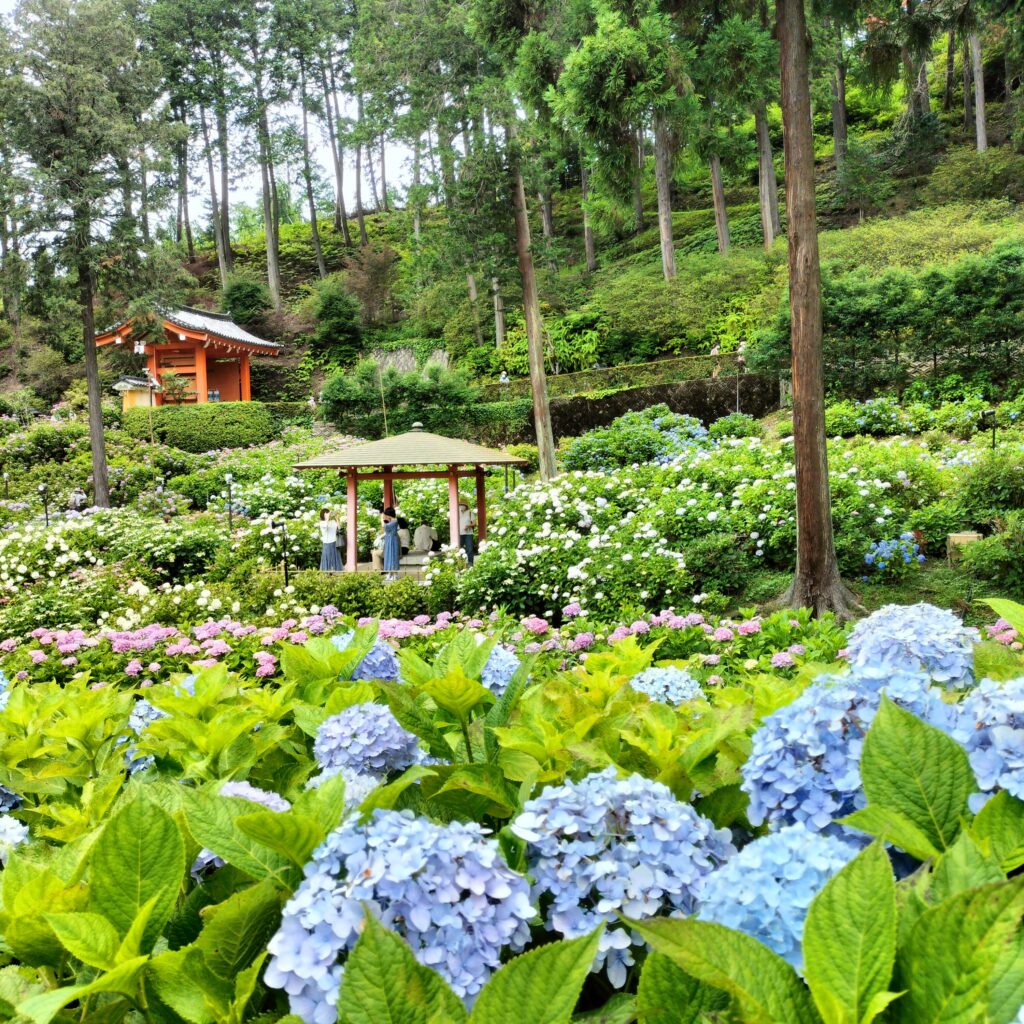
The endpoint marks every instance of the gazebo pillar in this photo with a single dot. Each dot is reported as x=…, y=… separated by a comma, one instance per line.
x=453, y=505
x=389, y=488
x=352, y=524
x=481, y=504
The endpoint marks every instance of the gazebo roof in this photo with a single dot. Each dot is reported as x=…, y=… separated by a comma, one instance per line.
x=417, y=447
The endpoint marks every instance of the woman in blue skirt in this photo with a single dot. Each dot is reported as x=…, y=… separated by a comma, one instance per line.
x=330, y=560
x=392, y=546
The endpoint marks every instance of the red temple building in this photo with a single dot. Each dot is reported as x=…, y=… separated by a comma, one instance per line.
x=208, y=349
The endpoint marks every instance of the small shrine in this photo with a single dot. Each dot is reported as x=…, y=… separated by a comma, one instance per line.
x=208, y=349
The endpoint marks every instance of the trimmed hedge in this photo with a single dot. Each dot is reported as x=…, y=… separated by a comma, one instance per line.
x=206, y=427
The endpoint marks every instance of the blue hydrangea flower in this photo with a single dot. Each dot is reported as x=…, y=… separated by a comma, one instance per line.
x=767, y=888
x=990, y=725
x=444, y=888
x=142, y=716
x=381, y=662
x=668, y=684
x=357, y=786
x=804, y=765
x=915, y=638
x=367, y=739
x=12, y=833
x=5, y=690
x=497, y=673
x=605, y=845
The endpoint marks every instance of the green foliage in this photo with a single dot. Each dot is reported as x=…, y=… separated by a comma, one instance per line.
x=337, y=333
x=203, y=427
x=966, y=175
x=736, y=424
x=245, y=299
x=999, y=559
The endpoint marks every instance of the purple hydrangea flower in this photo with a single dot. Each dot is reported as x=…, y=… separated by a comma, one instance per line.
x=497, y=673
x=444, y=888
x=367, y=739
x=381, y=662
x=668, y=684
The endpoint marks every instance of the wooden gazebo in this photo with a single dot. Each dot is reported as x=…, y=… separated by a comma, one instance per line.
x=385, y=459
x=208, y=349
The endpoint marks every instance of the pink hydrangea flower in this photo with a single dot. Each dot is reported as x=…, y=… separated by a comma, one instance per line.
x=8, y=645
x=714, y=680
x=535, y=624
x=532, y=647
x=723, y=634
x=154, y=667
x=617, y=634
x=639, y=627
x=712, y=659
x=133, y=668
x=37, y=656
x=572, y=611
x=749, y=628
x=69, y=660
x=299, y=637
x=581, y=642
x=782, y=659
x=206, y=663
x=797, y=650
x=21, y=675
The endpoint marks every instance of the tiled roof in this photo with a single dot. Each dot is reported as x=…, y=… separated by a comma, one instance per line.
x=213, y=323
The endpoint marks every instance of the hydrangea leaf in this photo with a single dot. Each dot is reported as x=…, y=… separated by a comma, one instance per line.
x=324, y=803
x=892, y=827
x=384, y=983
x=89, y=937
x=849, y=939
x=177, y=976
x=766, y=989
x=139, y=856
x=541, y=986
x=995, y=661
x=1001, y=823
x=385, y=797
x=484, y=780
x=1006, y=987
x=956, y=951
x=134, y=941
x=410, y=713
x=456, y=693
x=292, y=835
x=41, y=1009
x=963, y=866
x=1010, y=611
x=237, y=931
x=917, y=771
x=620, y=1009
x=671, y=996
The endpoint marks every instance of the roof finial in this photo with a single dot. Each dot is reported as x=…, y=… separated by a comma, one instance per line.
x=417, y=425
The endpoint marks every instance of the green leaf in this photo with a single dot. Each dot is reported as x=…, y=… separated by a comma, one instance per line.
x=953, y=952
x=237, y=930
x=892, y=827
x=384, y=797
x=1012, y=612
x=668, y=995
x=176, y=977
x=90, y=938
x=486, y=780
x=995, y=661
x=620, y=1009
x=918, y=772
x=385, y=984
x=41, y=1009
x=292, y=835
x=139, y=856
x=325, y=803
x=849, y=942
x=963, y=866
x=766, y=989
x=1001, y=823
x=132, y=944
x=457, y=694
x=541, y=986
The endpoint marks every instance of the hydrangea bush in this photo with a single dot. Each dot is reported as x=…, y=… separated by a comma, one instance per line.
x=367, y=740
x=668, y=684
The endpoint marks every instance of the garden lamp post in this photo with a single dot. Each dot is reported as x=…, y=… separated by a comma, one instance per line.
x=44, y=493
x=284, y=547
x=231, y=520
x=739, y=369
x=988, y=419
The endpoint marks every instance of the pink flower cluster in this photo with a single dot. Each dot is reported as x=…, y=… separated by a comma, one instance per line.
x=1003, y=633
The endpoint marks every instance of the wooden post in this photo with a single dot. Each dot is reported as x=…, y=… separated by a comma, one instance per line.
x=243, y=373
x=481, y=504
x=352, y=527
x=152, y=364
x=453, y=506
x=389, y=488
x=201, y=385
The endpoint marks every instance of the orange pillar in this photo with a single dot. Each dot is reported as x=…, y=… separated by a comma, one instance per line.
x=481, y=504
x=389, y=489
x=352, y=528
x=245, y=389
x=153, y=367
x=201, y=385
x=453, y=505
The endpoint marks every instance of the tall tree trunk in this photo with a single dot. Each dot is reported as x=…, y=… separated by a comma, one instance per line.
x=184, y=220
x=371, y=173
x=838, y=89
x=360, y=216
x=215, y=222
x=383, y=174
x=817, y=583
x=100, y=486
x=534, y=325
x=271, y=214
x=638, y=177
x=924, y=100
x=474, y=305
x=589, y=253
x=718, y=199
x=225, y=183
x=143, y=197
x=416, y=202
x=547, y=226
x=446, y=154
x=767, y=185
x=968, y=104
x=947, y=95
x=978, y=64
x=499, y=314
x=663, y=145
x=10, y=284
x=307, y=174
x=333, y=117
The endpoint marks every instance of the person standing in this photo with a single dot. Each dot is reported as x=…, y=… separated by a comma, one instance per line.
x=330, y=560
x=392, y=546
x=466, y=537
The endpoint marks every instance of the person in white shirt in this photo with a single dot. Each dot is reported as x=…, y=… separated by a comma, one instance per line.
x=330, y=559
x=466, y=538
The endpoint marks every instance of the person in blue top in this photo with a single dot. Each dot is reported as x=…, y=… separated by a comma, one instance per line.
x=392, y=545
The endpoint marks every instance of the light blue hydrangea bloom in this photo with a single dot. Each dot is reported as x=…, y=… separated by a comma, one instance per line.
x=607, y=845
x=381, y=662
x=990, y=725
x=497, y=673
x=766, y=889
x=915, y=638
x=358, y=786
x=5, y=690
x=142, y=716
x=444, y=888
x=12, y=833
x=365, y=738
x=668, y=684
x=804, y=764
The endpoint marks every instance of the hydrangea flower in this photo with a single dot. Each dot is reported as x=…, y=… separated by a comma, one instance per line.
x=5, y=690
x=914, y=638
x=365, y=738
x=605, y=845
x=497, y=673
x=357, y=786
x=767, y=888
x=804, y=765
x=143, y=715
x=12, y=833
x=990, y=725
x=207, y=860
x=668, y=684
x=380, y=662
x=444, y=888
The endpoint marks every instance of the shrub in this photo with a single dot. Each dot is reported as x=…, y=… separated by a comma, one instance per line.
x=718, y=562
x=967, y=175
x=999, y=559
x=736, y=424
x=637, y=437
x=245, y=298
x=337, y=332
x=528, y=452
x=205, y=427
x=992, y=485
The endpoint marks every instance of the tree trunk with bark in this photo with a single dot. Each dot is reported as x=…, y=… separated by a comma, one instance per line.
x=663, y=146
x=499, y=314
x=947, y=93
x=474, y=305
x=718, y=198
x=184, y=219
x=360, y=216
x=839, y=131
x=333, y=118
x=638, y=174
x=978, y=64
x=307, y=174
x=225, y=184
x=416, y=179
x=215, y=222
x=547, y=226
x=968, y=104
x=534, y=325
x=383, y=175
x=271, y=212
x=589, y=252
x=817, y=583
x=767, y=185
x=143, y=197
x=100, y=486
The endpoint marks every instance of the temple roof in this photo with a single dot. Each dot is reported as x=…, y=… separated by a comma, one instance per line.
x=219, y=325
